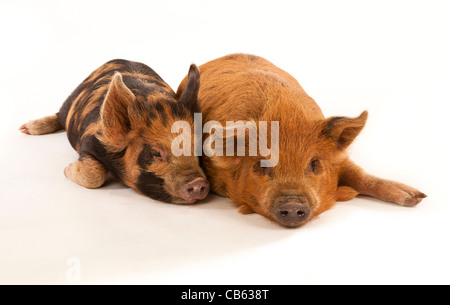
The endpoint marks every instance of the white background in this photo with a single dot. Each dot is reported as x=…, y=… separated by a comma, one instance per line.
x=389, y=57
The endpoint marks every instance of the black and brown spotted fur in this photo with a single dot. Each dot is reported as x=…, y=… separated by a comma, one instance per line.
x=119, y=120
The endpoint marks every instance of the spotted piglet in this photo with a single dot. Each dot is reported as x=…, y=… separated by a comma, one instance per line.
x=119, y=120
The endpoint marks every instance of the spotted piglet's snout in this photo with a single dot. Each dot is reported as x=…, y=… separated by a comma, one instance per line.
x=194, y=190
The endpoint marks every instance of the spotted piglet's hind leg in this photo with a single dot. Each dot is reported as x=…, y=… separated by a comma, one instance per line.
x=44, y=125
x=353, y=176
x=86, y=172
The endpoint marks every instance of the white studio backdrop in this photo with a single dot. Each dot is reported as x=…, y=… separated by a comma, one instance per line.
x=388, y=57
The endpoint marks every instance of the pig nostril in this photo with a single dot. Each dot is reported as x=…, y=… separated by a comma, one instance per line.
x=194, y=190
x=292, y=213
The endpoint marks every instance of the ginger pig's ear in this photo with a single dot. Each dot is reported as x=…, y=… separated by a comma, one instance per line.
x=343, y=130
x=190, y=93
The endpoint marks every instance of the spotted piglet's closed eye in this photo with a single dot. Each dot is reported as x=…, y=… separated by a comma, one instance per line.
x=151, y=153
x=159, y=153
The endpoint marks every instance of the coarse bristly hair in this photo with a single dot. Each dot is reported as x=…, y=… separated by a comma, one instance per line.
x=313, y=171
x=118, y=119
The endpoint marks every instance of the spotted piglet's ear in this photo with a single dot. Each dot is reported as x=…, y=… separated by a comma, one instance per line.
x=343, y=130
x=190, y=92
x=115, y=112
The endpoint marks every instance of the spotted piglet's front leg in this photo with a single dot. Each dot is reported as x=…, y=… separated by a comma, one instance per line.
x=86, y=172
x=386, y=190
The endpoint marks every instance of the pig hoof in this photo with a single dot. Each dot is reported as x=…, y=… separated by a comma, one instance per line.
x=67, y=170
x=406, y=196
x=412, y=199
x=345, y=193
x=24, y=129
x=245, y=209
x=44, y=125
